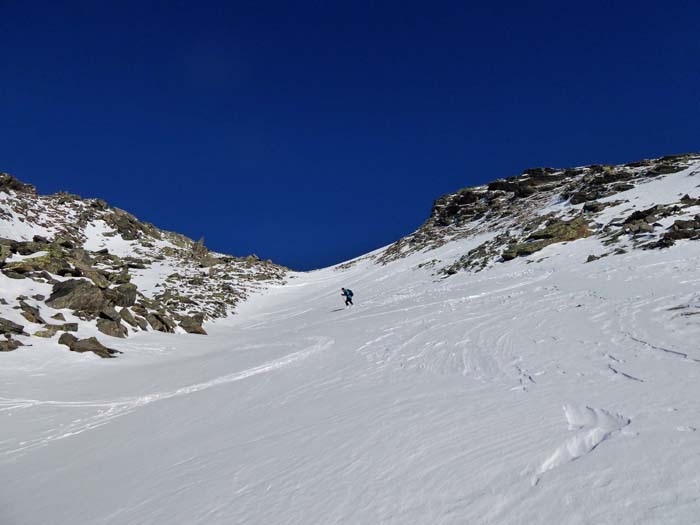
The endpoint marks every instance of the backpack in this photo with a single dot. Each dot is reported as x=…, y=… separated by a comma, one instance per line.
x=348, y=292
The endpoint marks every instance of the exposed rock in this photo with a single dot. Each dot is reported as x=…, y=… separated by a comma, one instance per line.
x=30, y=313
x=52, y=329
x=87, y=345
x=67, y=339
x=9, y=183
x=109, y=313
x=96, y=276
x=9, y=344
x=143, y=324
x=193, y=324
x=5, y=253
x=160, y=323
x=123, y=295
x=76, y=294
x=127, y=317
x=557, y=230
x=59, y=317
x=113, y=328
x=9, y=327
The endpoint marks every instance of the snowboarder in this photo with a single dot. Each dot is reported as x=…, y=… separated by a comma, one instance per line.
x=347, y=293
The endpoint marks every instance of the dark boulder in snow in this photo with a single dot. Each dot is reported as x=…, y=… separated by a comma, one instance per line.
x=193, y=324
x=9, y=344
x=8, y=327
x=87, y=345
x=77, y=294
x=112, y=328
x=122, y=295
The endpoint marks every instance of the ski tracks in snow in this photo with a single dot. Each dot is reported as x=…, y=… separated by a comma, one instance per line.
x=107, y=410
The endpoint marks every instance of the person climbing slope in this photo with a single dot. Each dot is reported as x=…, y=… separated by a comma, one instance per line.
x=347, y=293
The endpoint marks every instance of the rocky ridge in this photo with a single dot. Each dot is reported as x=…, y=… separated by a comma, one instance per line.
x=521, y=215
x=80, y=265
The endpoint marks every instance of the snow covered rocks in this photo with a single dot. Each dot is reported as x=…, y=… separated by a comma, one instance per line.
x=105, y=271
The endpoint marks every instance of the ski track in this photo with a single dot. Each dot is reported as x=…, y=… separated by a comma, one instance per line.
x=111, y=410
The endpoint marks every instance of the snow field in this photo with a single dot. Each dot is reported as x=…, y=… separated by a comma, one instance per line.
x=556, y=391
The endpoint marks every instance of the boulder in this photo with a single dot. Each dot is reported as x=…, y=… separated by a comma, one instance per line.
x=30, y=313
x=52, y=329
x=67, y=339
x=109, y=313
x=77, y=294
x=87, y=345
x=59, y=317
x=5, y=253
x=123, y=295
x=193, y=324
x=8, y=327
x=30, y=247
x=160, y=323
x=143, y=324
x=127, y=317
x=96, y=276
x=9, y=344
x=112, y=328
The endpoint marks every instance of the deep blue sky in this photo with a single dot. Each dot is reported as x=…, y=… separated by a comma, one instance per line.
x=312, y=132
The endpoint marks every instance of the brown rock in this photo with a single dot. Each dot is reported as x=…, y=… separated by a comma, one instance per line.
x=8, y=327
x=122, y=295
x=87, y=345
x=8, y=345
x=31, y=313
x=112, y=328
x=193, y=324
x=77, y=294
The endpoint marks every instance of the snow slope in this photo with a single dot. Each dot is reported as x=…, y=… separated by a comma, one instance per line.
x=542, y=390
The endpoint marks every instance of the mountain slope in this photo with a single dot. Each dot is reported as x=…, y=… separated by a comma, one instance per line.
x=541, y=389
x=79, y=265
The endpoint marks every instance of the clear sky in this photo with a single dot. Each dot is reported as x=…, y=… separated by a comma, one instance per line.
x=312, y=132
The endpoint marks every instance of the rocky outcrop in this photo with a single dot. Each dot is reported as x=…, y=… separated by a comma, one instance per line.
x=508, y=213
x=9, y=183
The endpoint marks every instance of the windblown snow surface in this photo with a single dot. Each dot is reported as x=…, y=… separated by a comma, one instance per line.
x=542, y=390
